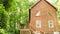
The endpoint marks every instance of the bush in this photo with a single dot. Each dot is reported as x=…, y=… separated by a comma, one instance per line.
x=17, y=31
x=2, y=31
x=3, y=17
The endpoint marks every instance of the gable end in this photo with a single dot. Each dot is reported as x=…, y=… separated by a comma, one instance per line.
x=34, y=5
x=51, y=5
x=45, y=1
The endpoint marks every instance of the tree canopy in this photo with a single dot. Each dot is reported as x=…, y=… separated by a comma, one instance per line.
x=14, y=12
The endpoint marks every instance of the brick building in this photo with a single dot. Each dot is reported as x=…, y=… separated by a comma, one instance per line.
x=43, y=18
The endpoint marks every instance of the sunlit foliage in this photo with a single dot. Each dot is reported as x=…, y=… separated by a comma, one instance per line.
x=14, y=12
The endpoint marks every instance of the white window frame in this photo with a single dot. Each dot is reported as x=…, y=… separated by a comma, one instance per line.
x=50, y=22
x=38, y=13
x=56, y=32
x=38, y=22
x=36, y=32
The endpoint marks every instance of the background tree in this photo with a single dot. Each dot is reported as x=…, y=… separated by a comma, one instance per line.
x=14, y=12
x=3, y=17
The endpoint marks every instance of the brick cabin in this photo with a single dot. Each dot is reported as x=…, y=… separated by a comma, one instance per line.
x=43, y=18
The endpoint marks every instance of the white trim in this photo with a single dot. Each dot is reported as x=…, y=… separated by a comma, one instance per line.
x=56, y=32
x=36, y=32
x=38, y=23
x=38, y=13
x=51, y=24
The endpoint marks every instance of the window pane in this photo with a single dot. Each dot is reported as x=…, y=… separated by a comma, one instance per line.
x=38, y=23
x=38, y=13
x=51, y=25
x=36, y=32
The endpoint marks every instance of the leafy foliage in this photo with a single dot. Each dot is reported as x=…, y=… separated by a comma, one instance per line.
x=1, y=1
x=7, y=4
x=14, y=12
x=3, y=17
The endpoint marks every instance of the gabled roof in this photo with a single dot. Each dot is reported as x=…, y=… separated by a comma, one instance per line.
x=45, y=1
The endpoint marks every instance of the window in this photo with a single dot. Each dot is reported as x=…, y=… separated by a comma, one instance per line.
x=38, y=24
x=49, y=14
x=36, y=32
x=50, y=22
x=38, y=13
x=56, y=33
